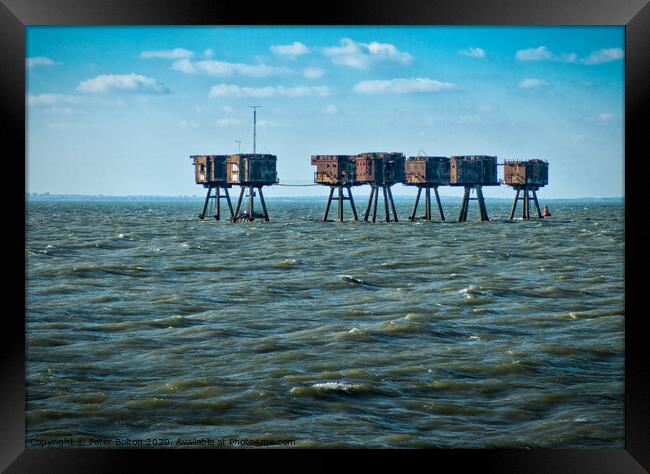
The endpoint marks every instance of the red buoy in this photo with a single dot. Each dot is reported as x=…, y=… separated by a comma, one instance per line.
x=546, y=212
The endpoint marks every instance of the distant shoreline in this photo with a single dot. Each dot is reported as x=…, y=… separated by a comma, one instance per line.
x=99, y=197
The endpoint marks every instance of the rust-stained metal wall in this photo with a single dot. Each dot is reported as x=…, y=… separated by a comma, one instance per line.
x=473, y=170
x=253, y=169
x=334, y=169
x=200, y=169
x=380, y=168
x=209, y=169
x=534, y=172
x=422, y=170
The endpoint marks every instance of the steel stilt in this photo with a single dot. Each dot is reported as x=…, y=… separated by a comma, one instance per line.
x=205, y=204
x=539, y=212
x=427, y=204
x=514, y=205
x=354, y=209
x=415, y=206
x=329, y=202
x=232, y=214
x=442, y=214
x=392, y=204
x=266, y=214
x=374, y=208
x=239, y=201
x=368, y=208
x=463, y=206
x=386, y=203
x=217, y=196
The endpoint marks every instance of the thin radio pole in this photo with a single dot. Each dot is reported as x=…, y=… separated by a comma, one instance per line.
x=255, y=107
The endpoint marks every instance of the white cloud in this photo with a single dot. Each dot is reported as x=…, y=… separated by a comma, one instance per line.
x=123, y=82
x=294, y=49
x=226, y=108
x=567, y=57
x=221, y=68
x=185, y=66
x=596, y=57
x=177, y=53
x=543, y=54
x=579, y=138
x=64, y=125
x=484, y=108
x=402, y=86
x=59, y=111
x=41, y=61
x=363, y=55
x=314, y=72
x=231, y=90
x=262, y=123
x=604, y=56
x=605, y=117
x=51, y=99
x=533, y=54
x=473, y=52
x=331, y=110
x=530, y=83
x=602, y=118
x=470, y=119
x=227, y=122
x=186, y=124
x=208, y=53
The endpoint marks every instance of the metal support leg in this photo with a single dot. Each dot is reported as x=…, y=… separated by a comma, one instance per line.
x=372, y=194
x=427, y=204
x=340, y=206
x=442, y=214
x=266, y=214
x=415, y=206
x=539, y=212
x=241, y=197
x=232, y=214
x=251, y=202
x=217, y=204
x=514, y=205
x=481, y=203
x=374, y=207
x=354, y=209
x=329, y=202
x=525, y=203
x=383, y=188
x=392, y=204
x=469, y=198
x=463, y=206
x=205, y=204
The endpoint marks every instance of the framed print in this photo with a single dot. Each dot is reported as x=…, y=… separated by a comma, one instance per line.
x=371, y=229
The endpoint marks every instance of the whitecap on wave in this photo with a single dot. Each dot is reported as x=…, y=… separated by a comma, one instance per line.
x=323, y=388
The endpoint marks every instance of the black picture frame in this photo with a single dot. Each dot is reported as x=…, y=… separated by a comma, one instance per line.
x=633, y=14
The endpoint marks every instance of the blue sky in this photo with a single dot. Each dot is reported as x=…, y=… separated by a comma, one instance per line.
x=119, y=110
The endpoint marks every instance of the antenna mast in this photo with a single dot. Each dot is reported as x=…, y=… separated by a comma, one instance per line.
x=255, y=107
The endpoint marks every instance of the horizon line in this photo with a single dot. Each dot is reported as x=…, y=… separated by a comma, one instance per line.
x=198, y=196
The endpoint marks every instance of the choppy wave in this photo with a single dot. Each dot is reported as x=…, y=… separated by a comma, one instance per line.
x=143, y=320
